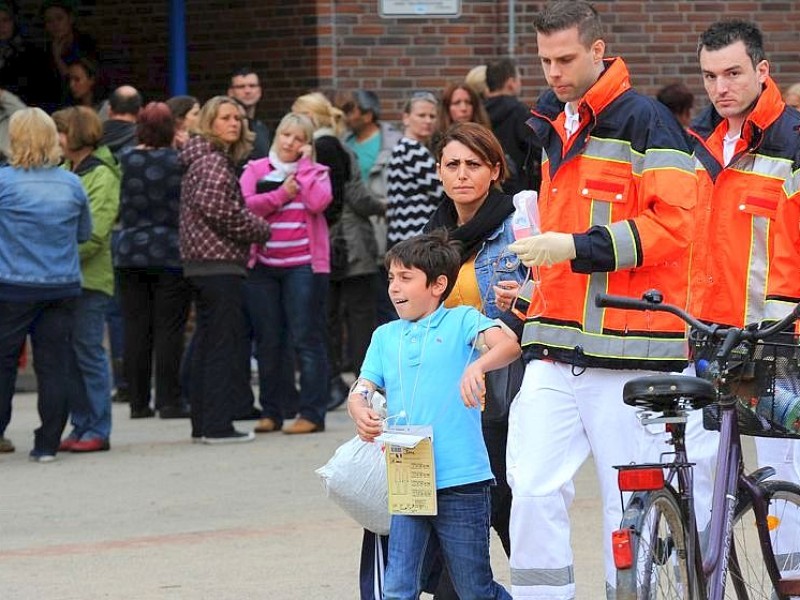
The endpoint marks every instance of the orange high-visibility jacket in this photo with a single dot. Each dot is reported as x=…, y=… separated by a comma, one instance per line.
x=737, y=207
x=625, y=185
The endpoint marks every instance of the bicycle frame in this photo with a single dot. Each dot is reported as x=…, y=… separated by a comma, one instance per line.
x=711, y=562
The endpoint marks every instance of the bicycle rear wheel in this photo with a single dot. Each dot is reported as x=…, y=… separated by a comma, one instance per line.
x=660, y=569
x=748, y=572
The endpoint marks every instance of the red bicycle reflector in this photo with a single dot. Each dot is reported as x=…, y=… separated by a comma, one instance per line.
x=621, y=548
x=636, y=480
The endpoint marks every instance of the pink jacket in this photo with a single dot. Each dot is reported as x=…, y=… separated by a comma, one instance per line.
x=315, y=193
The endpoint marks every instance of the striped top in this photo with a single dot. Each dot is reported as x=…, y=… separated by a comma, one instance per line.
x=413, y=189
x=289, y=245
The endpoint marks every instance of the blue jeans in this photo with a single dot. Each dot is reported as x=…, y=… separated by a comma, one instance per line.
x=90, y=389
x=461, y=531
x=49, y=323
x=294, y=299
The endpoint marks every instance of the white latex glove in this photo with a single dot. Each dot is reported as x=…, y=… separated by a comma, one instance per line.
x=547, y=248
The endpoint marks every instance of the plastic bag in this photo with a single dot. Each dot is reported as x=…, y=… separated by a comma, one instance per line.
x=355, y=478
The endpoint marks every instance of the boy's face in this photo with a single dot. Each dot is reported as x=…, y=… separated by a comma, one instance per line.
x=410, y=293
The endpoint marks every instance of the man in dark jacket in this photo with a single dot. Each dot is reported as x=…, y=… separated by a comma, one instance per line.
x=508, y=116
x=119, y=131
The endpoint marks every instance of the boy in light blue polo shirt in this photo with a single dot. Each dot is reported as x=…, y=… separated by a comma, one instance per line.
x=430, y=364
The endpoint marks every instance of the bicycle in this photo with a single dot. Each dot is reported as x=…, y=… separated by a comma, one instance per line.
x=753, y=547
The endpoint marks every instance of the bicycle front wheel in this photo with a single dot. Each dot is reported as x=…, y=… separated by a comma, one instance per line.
x=749, y=565
x=660, y=569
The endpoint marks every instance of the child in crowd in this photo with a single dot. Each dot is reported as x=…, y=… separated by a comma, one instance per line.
x=288, y=277
x=429, y=364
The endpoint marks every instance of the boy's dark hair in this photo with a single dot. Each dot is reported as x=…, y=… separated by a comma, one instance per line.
x=566, y=14
x=432, y=253
x=497, y=73
x=724, y=33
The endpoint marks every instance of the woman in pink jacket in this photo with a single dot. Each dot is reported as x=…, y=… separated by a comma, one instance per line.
x=290, y=191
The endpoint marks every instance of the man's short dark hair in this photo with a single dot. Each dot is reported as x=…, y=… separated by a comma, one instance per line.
x=432, y=253
x=366, y=101
x=676, y=97
x=565, y=14
x=123, y=103
x=497, y=73
x=724, y=33
x=243, y=72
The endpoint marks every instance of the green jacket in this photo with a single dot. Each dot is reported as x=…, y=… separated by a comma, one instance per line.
x=100, y=175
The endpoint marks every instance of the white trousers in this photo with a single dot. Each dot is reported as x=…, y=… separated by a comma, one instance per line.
x=557, y=420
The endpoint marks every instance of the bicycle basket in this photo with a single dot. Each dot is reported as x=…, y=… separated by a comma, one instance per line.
x=766, y=382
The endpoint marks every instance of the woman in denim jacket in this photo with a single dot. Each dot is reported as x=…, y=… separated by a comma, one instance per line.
x=475, y=211
x=44, y=214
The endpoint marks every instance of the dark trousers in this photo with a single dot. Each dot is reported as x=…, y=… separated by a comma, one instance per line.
x=352, y=317
x=219, y=332
x=50, y=325
x=155, y=307
x=290, y=301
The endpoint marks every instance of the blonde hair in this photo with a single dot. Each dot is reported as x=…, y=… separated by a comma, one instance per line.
x=321, y=112
x=242, y=147
x=33, y=139
x=476, y=79
x=302, y=122
x=81, y=125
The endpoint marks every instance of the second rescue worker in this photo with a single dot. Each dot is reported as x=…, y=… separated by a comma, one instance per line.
x=618, y=191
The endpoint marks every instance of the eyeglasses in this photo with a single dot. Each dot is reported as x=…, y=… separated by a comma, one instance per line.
x=241, y=86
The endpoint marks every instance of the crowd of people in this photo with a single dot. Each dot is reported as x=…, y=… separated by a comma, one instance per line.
x=152, y=251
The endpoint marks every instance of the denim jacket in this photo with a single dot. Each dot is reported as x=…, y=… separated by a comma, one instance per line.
x=495, y=263
x=44, y=213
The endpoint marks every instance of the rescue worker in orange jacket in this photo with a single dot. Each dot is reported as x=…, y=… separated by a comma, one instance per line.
x=744, y=146
x=617, y=195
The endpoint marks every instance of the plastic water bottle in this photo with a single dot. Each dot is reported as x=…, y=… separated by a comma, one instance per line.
x=525, y=221
x=782, y=407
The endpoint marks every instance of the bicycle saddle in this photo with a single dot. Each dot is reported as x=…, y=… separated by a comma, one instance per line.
x=662, y=392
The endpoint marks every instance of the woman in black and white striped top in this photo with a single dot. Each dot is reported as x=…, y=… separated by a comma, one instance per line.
x=413, y=188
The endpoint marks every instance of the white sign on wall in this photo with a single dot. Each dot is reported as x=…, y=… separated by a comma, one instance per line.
x=419, y=8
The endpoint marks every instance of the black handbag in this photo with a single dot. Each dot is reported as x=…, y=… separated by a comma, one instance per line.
x=502, y=386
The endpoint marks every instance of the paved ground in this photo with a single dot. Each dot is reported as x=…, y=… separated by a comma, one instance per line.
x=160, y=518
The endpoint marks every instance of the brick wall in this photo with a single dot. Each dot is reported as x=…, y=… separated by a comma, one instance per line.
x=337, y=45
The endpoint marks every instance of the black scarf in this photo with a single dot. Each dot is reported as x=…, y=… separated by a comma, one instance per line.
x=494, y=210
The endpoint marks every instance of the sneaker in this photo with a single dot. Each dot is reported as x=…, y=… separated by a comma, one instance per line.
x=41, y=456
x=67, y=443
x=6, y=445
x=301, y=425
x=234, y=437
x=91, y=445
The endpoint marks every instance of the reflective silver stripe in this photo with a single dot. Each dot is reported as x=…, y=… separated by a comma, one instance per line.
x=592, y=315
x=757, y=270
x=777, y=309
x=667, y=158
x=624, y=242
x=792, y=184
x=603, y=345
x=653, y=158
x=562, y=576
x=611, y=593
x=766, y=166
x=616, y=150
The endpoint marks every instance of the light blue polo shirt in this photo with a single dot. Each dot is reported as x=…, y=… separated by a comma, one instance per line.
x=420, y=365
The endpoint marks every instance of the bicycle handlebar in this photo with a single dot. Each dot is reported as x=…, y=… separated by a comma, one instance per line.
x=652, y=300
